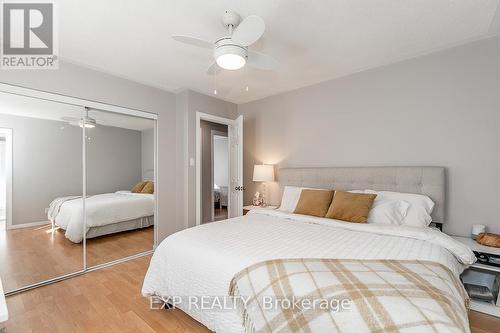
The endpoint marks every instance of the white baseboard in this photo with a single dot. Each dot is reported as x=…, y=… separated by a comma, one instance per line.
x=27, y=225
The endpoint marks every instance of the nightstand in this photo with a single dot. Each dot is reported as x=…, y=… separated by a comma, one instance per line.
x=246, y=209
x=484, y=307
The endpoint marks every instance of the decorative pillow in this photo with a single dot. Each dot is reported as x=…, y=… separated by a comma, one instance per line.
x=314, y=202
x=419, y=211
x=138, y=187
x=388, y=211
x=351, y=207
x=148, y=188
x=291, y=195
x=290, y=198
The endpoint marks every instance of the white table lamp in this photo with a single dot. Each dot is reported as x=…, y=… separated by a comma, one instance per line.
x=263, y=173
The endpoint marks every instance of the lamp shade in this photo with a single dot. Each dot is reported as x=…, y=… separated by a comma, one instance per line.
x=263, y=173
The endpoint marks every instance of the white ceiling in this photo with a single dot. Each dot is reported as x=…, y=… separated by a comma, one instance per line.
x=314, y=40
x=42, y=109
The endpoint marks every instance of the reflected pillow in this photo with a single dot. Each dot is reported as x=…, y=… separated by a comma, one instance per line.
x=351, y=207
x=138, y=187
x=314, y=202
x=148, y=188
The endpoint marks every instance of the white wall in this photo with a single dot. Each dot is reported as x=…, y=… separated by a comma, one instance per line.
x=442, y=109
x=221, y=161
x=147, y=153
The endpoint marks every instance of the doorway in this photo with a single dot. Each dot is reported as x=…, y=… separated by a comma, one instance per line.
x=219, y=168
x=214, y=171
x=220, y=175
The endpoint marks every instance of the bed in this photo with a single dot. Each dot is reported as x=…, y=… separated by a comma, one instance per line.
x=105, y=214
x=206, y=259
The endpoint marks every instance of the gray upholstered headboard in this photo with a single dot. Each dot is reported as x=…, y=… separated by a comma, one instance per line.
x=422, y=180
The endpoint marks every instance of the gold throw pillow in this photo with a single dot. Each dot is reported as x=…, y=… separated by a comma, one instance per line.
x=148, y=188
x=314, y=202
x=351, y=207
x=138, y=187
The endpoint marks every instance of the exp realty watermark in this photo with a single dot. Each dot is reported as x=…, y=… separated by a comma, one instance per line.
x=29, y=35
x=227, y=303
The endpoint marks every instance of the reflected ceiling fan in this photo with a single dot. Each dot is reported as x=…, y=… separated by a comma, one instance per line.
x=85, y=121
x=231, y=51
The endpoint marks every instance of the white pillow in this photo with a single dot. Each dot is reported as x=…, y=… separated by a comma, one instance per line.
x=291, y=195
x=419, y=211
x=386, y=211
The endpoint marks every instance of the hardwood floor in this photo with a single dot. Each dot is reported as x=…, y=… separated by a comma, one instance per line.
x=106, y=300
x=483, y=323
x=35, y=254
x=110, y=247
x=220, y=213
x=109, y=300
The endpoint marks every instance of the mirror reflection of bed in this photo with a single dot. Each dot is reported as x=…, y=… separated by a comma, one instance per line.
x=42, y=210
x=120, y=186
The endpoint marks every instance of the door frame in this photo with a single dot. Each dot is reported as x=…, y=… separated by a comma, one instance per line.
x=218, y=120
x=7, y=133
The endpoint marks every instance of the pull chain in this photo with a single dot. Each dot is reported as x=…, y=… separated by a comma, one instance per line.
x=246, y=78
x=215, y=82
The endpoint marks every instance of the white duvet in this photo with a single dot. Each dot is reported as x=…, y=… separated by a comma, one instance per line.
x=102, y=209
x=203, y=260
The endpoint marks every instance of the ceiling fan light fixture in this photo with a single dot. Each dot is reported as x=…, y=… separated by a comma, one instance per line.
x=230, y=57
x=231, y=61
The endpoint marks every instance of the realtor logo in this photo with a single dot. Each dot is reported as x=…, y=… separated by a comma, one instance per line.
x=28, y=35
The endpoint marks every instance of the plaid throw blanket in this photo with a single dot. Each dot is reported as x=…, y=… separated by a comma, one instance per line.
x=330, y=295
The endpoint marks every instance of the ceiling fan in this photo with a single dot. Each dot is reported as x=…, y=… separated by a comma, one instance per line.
x=231, y=51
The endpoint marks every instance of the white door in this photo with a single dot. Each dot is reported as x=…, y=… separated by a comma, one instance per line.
x=236, y=168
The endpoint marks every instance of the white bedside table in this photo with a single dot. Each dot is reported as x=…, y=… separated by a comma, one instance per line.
x=479, y=306
x=246, y=209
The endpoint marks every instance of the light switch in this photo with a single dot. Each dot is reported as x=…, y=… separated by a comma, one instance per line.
x=191, y=161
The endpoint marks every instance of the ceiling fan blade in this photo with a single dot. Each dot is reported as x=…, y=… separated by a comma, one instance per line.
x=261, y=61
x=213, y=69
x=193, y=41
x=249, y=30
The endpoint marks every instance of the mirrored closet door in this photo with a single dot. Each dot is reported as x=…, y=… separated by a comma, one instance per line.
x=120, y=205
x=41, y=163
x=77, y=186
